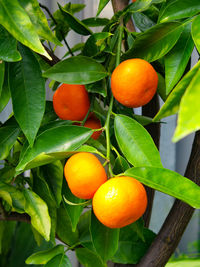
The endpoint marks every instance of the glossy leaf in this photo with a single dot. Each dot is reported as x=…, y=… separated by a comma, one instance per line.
x=102, y=4
x=42, y=189
x=95, y=22
x=8, y=46
x=76, y=25
x=188, y=123
x=14, y=18
x=39, y=20
x=142, y=21
x=53, y=175
x=184, y=263
x=53, y=144
x=168, y=182
x=131, y=248
x=135, y=142
x=76, y=70
x=13, y=196
x=98, y=87
x=64, y=227
x=138, y=6
x=179, y=9
x=172, y=103
x=104, y=239
x=28, y=93
x=94, y=42
x=38, y=211
x=74, y=211
x=161, y=89
x=60, y=260
x=2, y=72
x=88, y=258
x=120, y=165
x=42, y=257
x=9, y=132
x=154, y=43
x=5, y=93
x=177, y=59
x=195, y=32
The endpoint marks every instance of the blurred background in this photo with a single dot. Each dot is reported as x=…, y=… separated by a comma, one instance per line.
x=174, y=156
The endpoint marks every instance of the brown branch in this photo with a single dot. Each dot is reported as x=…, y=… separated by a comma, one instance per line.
x=151, y=110
x=54, y=60
x=120, y=5
x=14, y=216
x=176, y=222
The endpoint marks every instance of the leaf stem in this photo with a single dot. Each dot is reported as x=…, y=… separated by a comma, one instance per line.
x=107, y=123
x=54, y=20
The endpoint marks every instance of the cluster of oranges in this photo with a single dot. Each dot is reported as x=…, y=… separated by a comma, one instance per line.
x=116, y=202
x=119, y=201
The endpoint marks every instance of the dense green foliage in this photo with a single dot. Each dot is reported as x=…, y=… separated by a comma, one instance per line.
x=33, y=138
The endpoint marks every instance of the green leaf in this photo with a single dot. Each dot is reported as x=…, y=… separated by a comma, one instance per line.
x=64, y=227
x=177, y=59
x=195, y=32
x=179, y=9
x=9, y=132
x=2, y=72
x=142, y=21
x=102, y=4
x=104, y=239
x=98, y=87
x=16, y=21
x=73, y=212
x=39, y=20
x=53, y=175
x=88, y=258
x=154, y=43
x=189, y=113
x=131, y=247
x=135, y=142
x=8, y=46
x=172, y=103
x=184, y=263
x=76, y=25
x=42, y=257
x=76, y=70
x=49, y=114
x=41, y=188
x=60, y=260
x=161, y=89
x=2, y=229
x=5, y=91
x=75, y=48
x=53, y=144
x=120, y=165
x=168, y=182
x=38, y=211
x=13, y=196
x=28, y=93
x=95, y=22
x=94, y=42
x=137, y=6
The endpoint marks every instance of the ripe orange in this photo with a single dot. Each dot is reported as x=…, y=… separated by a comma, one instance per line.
x=119, y=201
x=71, y=102
x=134, y=82
x=93, y=123
x=84, y=174
x=133, y=1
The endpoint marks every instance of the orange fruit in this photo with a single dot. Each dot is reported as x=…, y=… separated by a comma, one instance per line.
x=84, y=174
x=134, y=82
x=119, y=201
x=71, y=102
x=133, y=1
x=93, y=123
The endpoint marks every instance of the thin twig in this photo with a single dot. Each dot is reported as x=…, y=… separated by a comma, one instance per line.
x=55, y=22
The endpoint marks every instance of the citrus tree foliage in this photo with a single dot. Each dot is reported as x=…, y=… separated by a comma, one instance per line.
x=33, y=137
